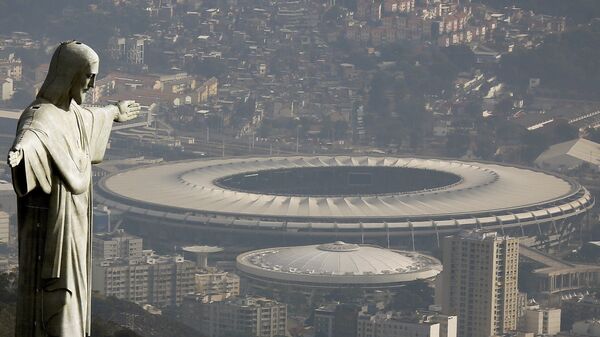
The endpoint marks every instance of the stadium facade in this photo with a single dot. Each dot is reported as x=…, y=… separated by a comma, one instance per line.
x=390, y=201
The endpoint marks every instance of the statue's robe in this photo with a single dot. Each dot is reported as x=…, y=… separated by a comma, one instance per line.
x=53, y=183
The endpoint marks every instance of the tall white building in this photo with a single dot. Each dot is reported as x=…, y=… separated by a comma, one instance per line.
x=479, y=282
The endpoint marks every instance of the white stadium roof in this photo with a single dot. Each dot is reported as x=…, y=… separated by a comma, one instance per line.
x=338, y=263
x=190, y=187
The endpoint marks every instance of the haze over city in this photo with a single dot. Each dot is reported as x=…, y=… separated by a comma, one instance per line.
x=300, y=168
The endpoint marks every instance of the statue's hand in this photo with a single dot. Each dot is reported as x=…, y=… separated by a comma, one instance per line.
x=127, y=110
x=15, y=155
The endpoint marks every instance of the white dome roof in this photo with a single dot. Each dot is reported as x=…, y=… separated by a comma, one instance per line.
x=338, y=262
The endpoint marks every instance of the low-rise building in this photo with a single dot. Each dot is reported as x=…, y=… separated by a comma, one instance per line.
x=117, y=245
x=156, y=280
x=7, y=89
x=212, y=282
x=254, y=316
x=124, y=270
x=336, y=320
x=394, y=324
x=542, y=321
x=11, y=66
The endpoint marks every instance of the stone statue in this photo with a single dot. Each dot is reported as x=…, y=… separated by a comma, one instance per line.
x=57, y=140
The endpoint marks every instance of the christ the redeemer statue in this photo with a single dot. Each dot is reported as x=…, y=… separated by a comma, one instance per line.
x=57, y=142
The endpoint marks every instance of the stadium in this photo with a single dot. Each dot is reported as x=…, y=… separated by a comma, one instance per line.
x=332, y=266
x=390, y=201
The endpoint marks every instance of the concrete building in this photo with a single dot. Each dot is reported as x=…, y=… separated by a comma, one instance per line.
x=117, y=245
x=336, y=320
x=128, y=50
x=11, y=66
x=448, y=324
x=156, y=280
x=394, y=324
x=7, y=88
x=4, y=228
x=212, y=283
x=479, y=282
x=122, y=269
x=170, y=279
x=254, y=316
x=124, y=281
x=542, y=321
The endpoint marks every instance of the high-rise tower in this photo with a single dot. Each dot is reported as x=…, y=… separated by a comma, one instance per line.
x=479, y=282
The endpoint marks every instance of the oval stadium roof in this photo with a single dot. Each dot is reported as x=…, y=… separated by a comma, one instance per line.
x=338, y=263
x=484, y=188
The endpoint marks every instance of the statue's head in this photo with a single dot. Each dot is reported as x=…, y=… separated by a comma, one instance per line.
x=71, y=74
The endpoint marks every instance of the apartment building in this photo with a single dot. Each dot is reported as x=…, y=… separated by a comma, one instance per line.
x=479, y=282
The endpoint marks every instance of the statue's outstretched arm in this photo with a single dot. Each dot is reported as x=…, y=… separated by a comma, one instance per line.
x=127, y=110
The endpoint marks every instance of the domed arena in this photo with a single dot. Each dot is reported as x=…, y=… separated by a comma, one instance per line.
x=391, y=201
x=334, y=266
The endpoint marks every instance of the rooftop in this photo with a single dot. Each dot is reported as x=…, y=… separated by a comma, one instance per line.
x=339, y=262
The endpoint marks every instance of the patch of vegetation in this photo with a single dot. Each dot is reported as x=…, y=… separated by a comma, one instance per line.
x=566, y=63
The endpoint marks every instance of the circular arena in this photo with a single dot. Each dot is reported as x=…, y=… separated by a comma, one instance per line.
x=365, y=199
x=334, y=266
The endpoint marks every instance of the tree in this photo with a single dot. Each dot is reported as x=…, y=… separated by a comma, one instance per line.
x=413, y=296
x=461, y=56
x=126, y=333
x=565, y=63
x=592, y=134
x=474, y=108
x=238, y=334
x=562, y=131
x=504, y=106
x=457, y=144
